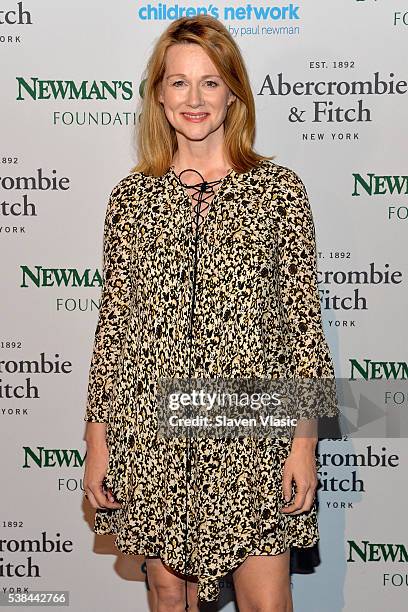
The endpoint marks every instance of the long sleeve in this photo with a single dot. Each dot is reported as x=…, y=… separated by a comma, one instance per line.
x=115, y=303
x=298, y=291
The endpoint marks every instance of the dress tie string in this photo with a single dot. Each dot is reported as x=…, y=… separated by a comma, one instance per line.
x=200, y=188
x=198, y=196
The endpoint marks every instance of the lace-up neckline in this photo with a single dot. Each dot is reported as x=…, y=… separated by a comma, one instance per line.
x=203, y=193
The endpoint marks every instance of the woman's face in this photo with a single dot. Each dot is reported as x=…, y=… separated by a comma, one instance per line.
x=193, y=95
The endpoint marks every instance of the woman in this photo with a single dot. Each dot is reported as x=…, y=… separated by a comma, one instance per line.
x=209, y=270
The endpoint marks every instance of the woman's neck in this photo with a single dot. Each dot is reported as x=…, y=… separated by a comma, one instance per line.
x=210, y=172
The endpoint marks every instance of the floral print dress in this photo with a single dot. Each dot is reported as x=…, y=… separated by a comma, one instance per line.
x=256, y=314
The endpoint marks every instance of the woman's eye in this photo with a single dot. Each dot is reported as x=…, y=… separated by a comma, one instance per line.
x=211, y=84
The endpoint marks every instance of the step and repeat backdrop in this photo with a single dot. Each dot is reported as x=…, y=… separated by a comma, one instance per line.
x=330, y=85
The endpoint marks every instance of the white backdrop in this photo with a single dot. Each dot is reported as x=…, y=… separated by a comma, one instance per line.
x=56, y=123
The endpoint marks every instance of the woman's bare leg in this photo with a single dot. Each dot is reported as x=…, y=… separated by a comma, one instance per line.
x=168, y=588
x=262, y=584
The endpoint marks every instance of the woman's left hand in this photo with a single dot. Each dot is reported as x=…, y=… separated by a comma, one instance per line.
x=300, y=466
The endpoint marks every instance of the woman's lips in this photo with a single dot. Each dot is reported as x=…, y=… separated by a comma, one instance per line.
x=195, y=118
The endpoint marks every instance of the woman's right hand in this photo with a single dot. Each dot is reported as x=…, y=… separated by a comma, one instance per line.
x=96, y=465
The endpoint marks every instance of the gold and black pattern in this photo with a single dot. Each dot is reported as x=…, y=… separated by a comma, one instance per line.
x=257, y=314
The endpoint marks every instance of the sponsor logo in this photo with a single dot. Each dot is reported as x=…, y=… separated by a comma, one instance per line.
x=60, y=277
x=374, y=184
x=22, y=565
x=332, y=279
x=52, y=457
x=336, y=478
x=18, y=16
x=161, y=11
x=42, y=90
x=366, y=552
x=369, y=369
x=39, y=89
x=383, y=185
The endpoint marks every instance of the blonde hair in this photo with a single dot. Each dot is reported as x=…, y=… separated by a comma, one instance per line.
x=156, y=138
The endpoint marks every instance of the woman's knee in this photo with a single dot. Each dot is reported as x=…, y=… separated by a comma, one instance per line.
x=281, y=603
x=169, y=597
x=262, y=584
x=167, y=588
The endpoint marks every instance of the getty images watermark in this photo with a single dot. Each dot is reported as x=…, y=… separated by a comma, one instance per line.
x=225, y=407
